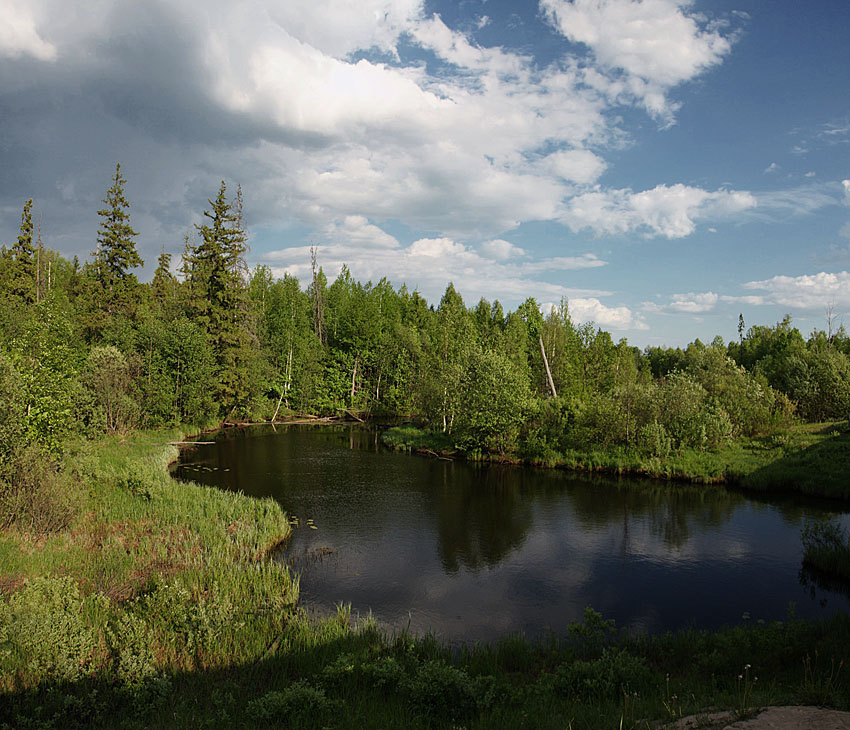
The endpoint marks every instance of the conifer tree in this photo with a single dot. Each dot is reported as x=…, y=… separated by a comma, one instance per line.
x=220, y=302
x=164, y=284
x=116, y=251
x=23, y=277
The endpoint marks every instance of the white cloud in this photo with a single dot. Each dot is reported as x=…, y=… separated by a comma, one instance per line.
x=690, y=303
x=355, y=230
x=329, y=120
x=19, y=35
x=563, y=263
x=846, y=184
x=655, y=42
x=751, y=299
x=500, y=250
x=693, y=303
x=811, y=291
x=772, y=167
x=665, y=210
x=338, y=28
x=579, y=166
x=617, y=318
x=799, y=201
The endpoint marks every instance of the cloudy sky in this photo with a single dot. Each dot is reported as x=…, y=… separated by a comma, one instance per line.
x=663, y=164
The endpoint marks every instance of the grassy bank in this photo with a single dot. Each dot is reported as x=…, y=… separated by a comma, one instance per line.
x=808, y=458
x=150, y=578
x=157, y=608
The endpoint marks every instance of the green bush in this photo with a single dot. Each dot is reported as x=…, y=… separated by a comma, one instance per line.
x=438, y=691
x=299, y=706
x=49, y=630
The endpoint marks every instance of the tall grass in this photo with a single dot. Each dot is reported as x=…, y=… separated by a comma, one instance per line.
x=154, y=576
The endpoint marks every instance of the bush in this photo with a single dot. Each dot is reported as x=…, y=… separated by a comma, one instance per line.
x=439, y=691
x=34, y=495
x=299, y=705
x=49, y=630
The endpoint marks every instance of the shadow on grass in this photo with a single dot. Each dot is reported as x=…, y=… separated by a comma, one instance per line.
x=821, y=469
x=599, y=678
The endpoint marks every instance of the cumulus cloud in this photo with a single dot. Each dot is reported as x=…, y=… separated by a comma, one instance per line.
x=666, y=210
x=810, y=291
x=655, y=43
x=579, y=166
x=19, y=35
x=500, y=250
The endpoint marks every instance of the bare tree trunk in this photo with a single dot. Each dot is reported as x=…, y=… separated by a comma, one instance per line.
x=353, y=379
x=282, y=391
x=318, y=302
x=548, y=371
x=288, y=384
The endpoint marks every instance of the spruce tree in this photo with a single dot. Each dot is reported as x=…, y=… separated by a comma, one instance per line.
x=23, y=276
x=220, y=301
x=164, y=284
x=116, y=251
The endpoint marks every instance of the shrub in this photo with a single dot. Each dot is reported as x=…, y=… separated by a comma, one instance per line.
x=48, y=630
x=299, y=705
x=440, y=691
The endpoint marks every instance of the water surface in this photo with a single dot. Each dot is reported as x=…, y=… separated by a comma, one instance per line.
x=474, y=553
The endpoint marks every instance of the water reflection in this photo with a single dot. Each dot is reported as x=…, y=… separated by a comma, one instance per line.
x=476, y=552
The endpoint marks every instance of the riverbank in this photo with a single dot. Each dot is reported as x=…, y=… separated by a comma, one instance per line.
x=811, y=459
x=158, y=607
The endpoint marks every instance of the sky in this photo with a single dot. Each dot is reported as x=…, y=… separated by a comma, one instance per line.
x=662, y=165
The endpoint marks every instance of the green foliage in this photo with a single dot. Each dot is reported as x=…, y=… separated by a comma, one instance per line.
x=107, y=378
x=116, y=251
x=299, y=706
x=440, y=692
x=48, y=630
x=614, y=673
x=826, y=546
x=494, y=402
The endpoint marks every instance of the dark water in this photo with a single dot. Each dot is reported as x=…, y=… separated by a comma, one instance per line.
x=474, y=553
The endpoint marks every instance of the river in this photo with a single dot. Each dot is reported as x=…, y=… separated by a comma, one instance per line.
x=473, y=553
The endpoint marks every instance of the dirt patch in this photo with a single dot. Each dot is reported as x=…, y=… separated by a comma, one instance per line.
x=769, y=718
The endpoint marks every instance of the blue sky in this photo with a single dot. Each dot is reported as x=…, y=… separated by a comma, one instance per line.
x=663, y=165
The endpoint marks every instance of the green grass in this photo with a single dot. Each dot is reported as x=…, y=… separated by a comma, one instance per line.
x=809, y=458
x=153, y=576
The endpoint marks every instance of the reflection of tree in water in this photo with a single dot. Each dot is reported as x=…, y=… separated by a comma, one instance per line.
x=481, y=516
x=813, y=579
x=670, y=510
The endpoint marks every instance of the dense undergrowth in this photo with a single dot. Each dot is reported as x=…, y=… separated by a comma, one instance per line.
x=157, y=606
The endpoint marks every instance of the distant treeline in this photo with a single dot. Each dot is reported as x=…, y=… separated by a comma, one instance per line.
x=86, y=348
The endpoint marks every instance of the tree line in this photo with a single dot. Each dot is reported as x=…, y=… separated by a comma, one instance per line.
x=87, y=348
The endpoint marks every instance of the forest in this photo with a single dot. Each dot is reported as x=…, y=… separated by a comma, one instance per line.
x=87, y=349
x=128, y=599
